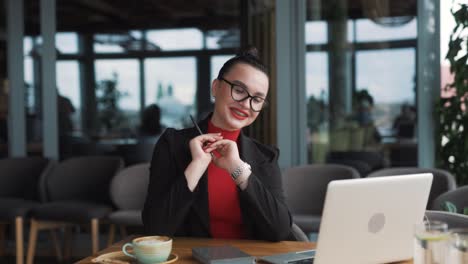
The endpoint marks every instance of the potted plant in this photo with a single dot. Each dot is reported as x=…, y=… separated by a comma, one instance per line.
x=452, y=137
x=110, y=116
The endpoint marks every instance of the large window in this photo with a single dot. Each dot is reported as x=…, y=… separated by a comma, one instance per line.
x=110, y=66
x=390, y=80
x=361, y=94
x=171, y=84
x=29, y=75
x=67, y=42
x=218, y=39
x=118, y=80
x=216, y=64
x=68, y=85
x=176, y=39
x=317, y=104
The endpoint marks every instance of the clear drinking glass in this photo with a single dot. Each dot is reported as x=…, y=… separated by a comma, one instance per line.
x=458, y=246
x=431, y=240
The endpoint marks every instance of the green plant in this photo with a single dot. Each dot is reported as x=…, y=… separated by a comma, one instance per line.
x=450, y=207
x=452, y=137
x=110, y=116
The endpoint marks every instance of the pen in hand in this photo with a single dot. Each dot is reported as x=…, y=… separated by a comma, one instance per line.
x=201, y=133
x=196, y=125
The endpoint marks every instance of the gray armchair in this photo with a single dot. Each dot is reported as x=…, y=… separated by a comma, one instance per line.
x=458, y=197
x=453, y=220
x=19, y=193
x=128, y=192
x=305, y=188
x=77, y=193
x=442, y=182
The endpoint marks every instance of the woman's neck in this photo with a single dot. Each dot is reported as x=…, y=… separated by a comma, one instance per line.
x=217, y=122
x=227, y=134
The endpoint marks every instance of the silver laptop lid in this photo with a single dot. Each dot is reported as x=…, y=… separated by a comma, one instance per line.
x=371, y=220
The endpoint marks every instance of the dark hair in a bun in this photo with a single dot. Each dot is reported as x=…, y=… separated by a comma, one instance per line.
x=248, y=56
x=250, y=51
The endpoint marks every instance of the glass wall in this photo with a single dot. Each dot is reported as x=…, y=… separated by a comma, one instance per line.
x=176, y=39
x=216, y=64
x=117, y=96
x=68, y=86
x=171, y=84
x=361, y=84
x=110, y=69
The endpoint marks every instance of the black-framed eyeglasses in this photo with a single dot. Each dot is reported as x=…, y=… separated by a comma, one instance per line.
x=239, y=94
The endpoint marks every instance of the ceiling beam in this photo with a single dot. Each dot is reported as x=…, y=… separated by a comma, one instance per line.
x=101, y=7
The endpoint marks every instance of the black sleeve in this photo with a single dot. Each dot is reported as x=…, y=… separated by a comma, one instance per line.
x=265, y=202
x=169, y=199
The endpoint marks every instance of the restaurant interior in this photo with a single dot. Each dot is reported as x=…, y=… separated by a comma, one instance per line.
x=88, y=86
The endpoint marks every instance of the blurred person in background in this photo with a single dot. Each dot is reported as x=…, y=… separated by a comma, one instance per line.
x=150, y=128
x=65, y=125
x=404, y=124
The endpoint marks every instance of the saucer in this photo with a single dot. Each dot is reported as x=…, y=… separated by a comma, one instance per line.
x=119, y=257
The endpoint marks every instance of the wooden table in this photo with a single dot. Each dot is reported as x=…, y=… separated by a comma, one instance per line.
x=183, y=247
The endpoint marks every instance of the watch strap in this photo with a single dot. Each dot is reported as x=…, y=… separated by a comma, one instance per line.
x=238, y=171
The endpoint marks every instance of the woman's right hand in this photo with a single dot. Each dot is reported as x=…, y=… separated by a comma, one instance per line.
x=198, y=145
x=200, y=158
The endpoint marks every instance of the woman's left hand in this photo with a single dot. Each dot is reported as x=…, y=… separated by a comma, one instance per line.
x=226, y=154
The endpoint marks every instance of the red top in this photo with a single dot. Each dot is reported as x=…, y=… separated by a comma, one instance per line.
x=223, y=199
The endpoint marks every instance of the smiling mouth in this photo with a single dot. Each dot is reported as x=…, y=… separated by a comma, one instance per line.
x=239, y=113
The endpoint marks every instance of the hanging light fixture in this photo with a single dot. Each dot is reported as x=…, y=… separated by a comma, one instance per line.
x=388, y=13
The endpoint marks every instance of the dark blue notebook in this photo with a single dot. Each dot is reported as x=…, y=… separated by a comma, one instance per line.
x=221, y=255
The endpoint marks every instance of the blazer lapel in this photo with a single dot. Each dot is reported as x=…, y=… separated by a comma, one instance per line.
x=249, y=153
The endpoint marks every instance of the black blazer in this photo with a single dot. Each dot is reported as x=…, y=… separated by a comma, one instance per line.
x=172, y=209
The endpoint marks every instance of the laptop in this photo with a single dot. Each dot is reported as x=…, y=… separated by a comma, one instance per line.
x=369, y=220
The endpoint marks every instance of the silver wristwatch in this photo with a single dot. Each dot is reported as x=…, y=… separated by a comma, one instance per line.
x=238, y=171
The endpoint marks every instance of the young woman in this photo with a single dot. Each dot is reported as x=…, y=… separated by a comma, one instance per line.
x=220, y=184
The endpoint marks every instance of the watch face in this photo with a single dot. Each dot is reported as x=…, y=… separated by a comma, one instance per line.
x=236, y=173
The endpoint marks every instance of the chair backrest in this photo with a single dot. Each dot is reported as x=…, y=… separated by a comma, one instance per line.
x=458, y=197
x=20, y=177
x=83, y=178
x=453, y=220
x=442, y=182
x=306, y=186
x=128, y=188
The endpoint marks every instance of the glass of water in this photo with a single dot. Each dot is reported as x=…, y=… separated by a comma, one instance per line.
x=431, y=239
x=458, y=246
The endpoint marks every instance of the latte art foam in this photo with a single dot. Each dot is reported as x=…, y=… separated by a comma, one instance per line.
x=150, y=242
